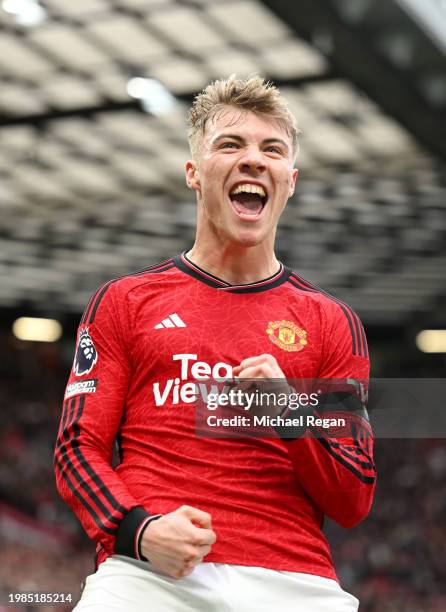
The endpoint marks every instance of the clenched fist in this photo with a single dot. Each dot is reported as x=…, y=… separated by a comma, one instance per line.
x=175, y=543
x=262, y=372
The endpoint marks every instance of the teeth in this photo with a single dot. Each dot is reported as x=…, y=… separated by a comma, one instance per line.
x=249, y=188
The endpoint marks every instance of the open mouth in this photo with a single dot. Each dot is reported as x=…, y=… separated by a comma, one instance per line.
x=248, y=200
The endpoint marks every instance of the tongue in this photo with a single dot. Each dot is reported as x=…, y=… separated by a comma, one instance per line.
x=247, y=203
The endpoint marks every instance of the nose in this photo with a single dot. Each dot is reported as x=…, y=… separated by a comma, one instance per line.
x=252, y=160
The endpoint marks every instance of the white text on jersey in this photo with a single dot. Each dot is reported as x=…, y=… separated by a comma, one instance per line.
x=186, y=392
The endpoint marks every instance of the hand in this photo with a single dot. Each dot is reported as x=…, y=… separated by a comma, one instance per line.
x=175, y=543
x=261, y=366
x=270, y=377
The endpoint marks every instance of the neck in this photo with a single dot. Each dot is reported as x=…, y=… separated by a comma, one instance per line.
x=236, y=264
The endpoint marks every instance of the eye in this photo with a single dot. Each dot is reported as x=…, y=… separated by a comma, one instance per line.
x=229, y=145
x=274, y=149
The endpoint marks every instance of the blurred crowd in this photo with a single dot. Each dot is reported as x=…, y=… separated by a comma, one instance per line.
x=394, y=562
x=27, y=570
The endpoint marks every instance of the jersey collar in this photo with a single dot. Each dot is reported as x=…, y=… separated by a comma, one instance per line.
x=186, y=266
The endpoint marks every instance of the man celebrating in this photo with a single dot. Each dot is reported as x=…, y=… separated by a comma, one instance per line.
x=184, y=522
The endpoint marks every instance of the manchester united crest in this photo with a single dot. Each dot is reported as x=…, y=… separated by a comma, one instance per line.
x=287, y=335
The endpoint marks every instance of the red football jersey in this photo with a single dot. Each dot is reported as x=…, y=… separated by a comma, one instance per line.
x=143, y=339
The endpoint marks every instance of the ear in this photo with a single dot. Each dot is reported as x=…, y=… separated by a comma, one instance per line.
x=293, y=181
x=192, y=175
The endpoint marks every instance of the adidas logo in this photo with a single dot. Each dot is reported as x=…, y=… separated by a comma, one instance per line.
x=173, y=320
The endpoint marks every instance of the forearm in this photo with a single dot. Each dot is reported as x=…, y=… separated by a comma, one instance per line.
x=86, y=480
x=337, y=473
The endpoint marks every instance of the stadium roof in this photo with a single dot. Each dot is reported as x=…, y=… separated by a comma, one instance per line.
x=92, y=185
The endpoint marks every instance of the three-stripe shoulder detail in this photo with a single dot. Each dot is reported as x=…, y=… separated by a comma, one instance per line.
x=359, y=342
x=95, y=300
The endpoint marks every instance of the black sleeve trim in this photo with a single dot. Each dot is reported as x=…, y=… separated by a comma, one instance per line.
x=126, y=539
x=141, y=531
x=342, y=400
x=288, y=434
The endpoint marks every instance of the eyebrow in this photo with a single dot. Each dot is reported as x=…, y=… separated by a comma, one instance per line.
x=242, y=140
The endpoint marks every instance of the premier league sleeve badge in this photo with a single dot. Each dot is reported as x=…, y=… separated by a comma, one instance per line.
x=86, y=354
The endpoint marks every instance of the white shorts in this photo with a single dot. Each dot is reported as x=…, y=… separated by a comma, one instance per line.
x=128, y=585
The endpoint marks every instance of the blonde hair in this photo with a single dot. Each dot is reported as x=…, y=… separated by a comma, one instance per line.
x=251, y=94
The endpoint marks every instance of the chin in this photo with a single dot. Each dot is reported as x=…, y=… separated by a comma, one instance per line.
x=248, y=238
